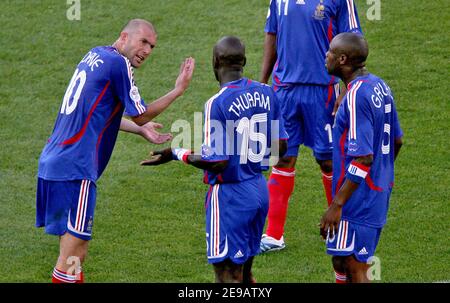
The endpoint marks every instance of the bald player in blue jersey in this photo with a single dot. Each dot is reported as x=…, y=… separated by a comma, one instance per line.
x=366, y=141
x=298, y=33
x=101, y=90
x=242, y=129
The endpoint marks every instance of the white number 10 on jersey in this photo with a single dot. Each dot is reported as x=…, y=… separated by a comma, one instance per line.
x=67, y=106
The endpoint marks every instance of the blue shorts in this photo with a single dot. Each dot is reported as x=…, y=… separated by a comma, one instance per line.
x=354, y=239
x=235, y=217
x=66, y=206
x=307, y=113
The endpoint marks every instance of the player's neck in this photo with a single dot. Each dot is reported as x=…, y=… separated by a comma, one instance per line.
x=116, y=46
x=355, y=74
x=229, y=76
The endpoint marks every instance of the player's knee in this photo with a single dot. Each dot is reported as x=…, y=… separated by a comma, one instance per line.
x=356, y=270
x=339, y=263
x=72, y=249
x=325, y=165
x=228, y=272
x=287, y=162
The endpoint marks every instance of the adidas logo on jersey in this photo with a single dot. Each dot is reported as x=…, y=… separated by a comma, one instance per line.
x=363, y=251
x=239, y=254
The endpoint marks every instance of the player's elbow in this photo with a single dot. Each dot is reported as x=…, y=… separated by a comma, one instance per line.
x=398, y=143
x=141, y=119
x=365, y=160
x=219, y=166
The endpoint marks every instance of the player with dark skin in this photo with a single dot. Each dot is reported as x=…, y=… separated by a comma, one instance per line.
x=269, y=59
x=346, y=60
x=228, y=63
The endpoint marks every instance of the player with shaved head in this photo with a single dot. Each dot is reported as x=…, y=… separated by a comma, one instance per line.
x=101, y=90
x=366, y=140
x=243, y=128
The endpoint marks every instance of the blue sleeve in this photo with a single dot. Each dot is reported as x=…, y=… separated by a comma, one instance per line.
x=125, y=88
x=360, y=133
x=277, y=132
x=271, y=22
x=214, y=142
x=347, y=17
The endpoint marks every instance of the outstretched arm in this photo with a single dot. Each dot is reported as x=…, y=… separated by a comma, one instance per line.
x=147, y=131
x=181, y=84
x=181, y=154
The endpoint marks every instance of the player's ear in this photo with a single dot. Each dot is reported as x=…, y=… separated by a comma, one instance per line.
x=215, y=62
x=343, y=59
x=245, y=61
x=123, y=37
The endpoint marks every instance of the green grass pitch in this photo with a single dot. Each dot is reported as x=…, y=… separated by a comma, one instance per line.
x=149, y=224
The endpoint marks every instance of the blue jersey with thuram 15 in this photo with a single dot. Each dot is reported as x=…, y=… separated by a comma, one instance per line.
x=101, y=89
x=241, y=122
x=366, y=124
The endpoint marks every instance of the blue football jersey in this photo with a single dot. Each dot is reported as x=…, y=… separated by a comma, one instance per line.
x=304, y=30
x=366, y=124
x=86, y=128
x=241, y=122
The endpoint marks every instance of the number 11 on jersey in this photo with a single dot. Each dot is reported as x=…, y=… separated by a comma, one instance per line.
x=285, y=8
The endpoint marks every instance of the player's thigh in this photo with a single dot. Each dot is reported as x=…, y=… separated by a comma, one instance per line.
x=324, y=122
x=258, y=221
x=353, y=239
x=317, y=103
x=230, y=219
x=66, y=207
x=293, y=119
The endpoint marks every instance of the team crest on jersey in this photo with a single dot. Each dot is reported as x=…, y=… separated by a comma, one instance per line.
x=353, y=146
x=319, y=13
x=302, y=2
x=134, y=94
